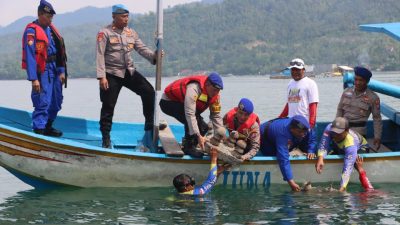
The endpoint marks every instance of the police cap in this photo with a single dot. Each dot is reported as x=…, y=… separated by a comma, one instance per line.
x=46, y=7
x=119, y=9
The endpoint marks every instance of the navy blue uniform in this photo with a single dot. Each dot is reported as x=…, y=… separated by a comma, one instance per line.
x=47, y=102
x=278, y=141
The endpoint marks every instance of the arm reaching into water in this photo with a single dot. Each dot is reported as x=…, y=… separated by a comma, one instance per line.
x=363, y=175
x=211, y=179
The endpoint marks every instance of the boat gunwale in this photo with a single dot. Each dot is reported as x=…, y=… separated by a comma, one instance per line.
x=80, y=148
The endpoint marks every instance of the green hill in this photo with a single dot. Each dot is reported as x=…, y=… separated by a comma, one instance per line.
x=244, y=37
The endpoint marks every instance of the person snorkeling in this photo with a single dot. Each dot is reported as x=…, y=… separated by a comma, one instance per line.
x=186, y=184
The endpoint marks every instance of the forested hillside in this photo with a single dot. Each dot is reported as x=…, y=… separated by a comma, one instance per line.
x=243, y=37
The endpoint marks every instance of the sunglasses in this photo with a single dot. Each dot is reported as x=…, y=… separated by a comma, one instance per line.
x=296, y=63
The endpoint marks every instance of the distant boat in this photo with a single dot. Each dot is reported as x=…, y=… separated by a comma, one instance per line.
x=341, y=70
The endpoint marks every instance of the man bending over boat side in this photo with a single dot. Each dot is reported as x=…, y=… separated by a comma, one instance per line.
x=348, y=143
x=185, y=184
x=302, y=99
x=185, y=99
x=247, y=124
x=358, y=102
x=280, y=136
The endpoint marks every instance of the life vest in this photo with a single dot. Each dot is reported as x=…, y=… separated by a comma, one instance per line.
x=176, y=91
x=244, y=128
x=42, y=43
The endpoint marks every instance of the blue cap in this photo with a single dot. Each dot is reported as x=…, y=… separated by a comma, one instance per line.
x=215, y=79
x=300, y=122
x=246, y=105
x=119, y=9
x=363, y=72
x=46, y=7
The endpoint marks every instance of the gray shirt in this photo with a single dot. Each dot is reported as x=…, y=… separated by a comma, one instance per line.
x=357, y=108
x=114, y=51
x=193, y=91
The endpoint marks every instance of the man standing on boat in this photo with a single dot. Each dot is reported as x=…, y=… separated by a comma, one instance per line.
x=247, y=124
x=185, y=99
x=115, y=69
x=358, y=102
x=44, y=59
x=302, y=99
x=280, y=136
x=348, y=143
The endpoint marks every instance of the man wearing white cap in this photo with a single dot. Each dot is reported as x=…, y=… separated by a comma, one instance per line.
x=302, y=99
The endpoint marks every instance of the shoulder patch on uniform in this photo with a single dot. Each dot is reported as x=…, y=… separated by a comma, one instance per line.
x=30, y=39
x=253, y=135
x=378, y=103
x=100, y=36
x=216, y=107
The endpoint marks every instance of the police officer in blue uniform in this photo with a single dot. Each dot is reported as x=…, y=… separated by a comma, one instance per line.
x=280, y=136
x=44, y=60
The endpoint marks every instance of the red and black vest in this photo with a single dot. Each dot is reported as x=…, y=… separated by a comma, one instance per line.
x=176, y=91
x=245, y=128
x=42, y=43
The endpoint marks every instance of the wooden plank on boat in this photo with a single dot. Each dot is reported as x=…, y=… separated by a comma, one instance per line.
x=168, y=141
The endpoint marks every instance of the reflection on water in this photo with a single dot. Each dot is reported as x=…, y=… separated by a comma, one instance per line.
x=222, y=206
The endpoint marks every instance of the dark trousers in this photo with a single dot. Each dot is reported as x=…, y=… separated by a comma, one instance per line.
x=177, y=110
x=136, y=83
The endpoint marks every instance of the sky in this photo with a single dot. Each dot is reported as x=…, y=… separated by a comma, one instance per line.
x=11, y=10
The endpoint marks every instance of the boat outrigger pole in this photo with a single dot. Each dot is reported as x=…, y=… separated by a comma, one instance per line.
x=159, y=47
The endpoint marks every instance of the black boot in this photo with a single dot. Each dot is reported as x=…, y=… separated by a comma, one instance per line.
x=39, y=131
x=106, y=140
x=106, y=143
x=189, y=146
x=51, y=131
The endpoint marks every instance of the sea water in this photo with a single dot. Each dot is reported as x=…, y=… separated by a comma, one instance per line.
x=20, y=204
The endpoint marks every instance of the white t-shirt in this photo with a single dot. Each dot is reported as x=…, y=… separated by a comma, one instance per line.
x=299, y=96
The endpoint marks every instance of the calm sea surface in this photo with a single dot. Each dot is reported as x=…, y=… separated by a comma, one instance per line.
x=20, y=204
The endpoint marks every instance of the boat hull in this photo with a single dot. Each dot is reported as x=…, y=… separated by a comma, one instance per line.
x=39, y=161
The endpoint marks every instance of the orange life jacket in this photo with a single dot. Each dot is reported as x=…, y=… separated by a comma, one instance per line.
x=42, y=43
x=176, y=91
x=245, y=128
